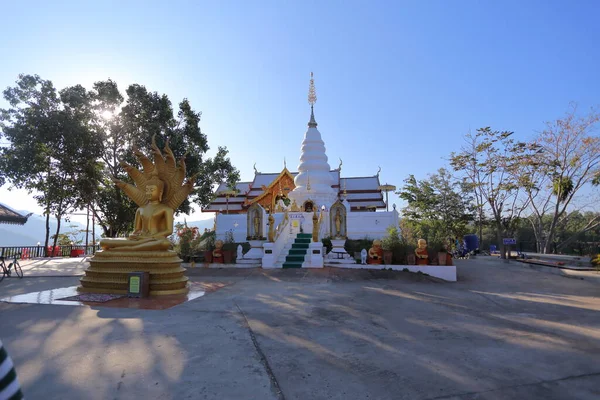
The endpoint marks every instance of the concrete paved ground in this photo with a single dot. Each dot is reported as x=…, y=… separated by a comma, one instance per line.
x=501, y=332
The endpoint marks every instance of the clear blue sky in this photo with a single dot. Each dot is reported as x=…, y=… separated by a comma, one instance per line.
x=398, y=83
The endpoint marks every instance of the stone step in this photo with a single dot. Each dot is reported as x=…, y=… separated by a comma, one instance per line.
x=292, y=265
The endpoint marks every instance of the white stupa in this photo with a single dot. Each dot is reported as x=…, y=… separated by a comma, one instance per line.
x=314, y=180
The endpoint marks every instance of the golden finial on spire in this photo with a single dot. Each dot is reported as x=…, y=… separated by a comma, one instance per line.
x=312, y=93
x=284, y=163
x=308, y=183
x=312, y=99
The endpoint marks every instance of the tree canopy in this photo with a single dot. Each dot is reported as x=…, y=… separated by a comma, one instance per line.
x=65, y=146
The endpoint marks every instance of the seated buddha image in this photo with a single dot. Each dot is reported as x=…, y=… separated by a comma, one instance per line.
x=153, y=221
x=421, y=253
x=376, y=253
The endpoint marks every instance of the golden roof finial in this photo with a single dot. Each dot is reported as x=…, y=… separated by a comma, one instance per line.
x=312, y=93
x=312, y=99
x=308, y=183
x=284, y=163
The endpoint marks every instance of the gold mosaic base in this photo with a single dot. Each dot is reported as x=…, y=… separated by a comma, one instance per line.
x=109, y=270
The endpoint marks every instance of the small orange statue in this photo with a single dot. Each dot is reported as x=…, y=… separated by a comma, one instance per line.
x=218, y=252
x=375, y=253
x=421, y=252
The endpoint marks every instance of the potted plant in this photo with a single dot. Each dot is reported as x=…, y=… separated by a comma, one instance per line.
x=390, y=243
x=208, y=244
x=186, y=239
x=229, y=248
x=442, y=253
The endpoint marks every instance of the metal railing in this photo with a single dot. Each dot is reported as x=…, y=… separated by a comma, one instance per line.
x=41, y=251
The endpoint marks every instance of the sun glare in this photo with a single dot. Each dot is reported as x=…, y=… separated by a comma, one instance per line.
x=107, y=115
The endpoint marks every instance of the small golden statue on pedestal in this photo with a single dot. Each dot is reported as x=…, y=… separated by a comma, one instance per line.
x=315, y=230
x=375, y=253
x=421, y=252
x=271, y=224
x=158, y=191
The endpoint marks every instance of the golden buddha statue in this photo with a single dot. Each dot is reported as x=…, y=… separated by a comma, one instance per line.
x=158, y=191
x=375, y=253
x=218, y=252
x=271, y=224
x=315, y=230
x=294, y=207
x=421, y=252
x=338, y=224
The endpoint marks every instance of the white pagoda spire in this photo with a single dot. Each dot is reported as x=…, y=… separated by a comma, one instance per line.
x=313, y=163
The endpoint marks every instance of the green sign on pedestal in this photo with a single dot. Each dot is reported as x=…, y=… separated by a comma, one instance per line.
x=134, y=285
x=138, y=284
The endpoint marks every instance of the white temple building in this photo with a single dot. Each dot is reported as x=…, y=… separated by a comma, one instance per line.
x=314, y=186
x=285, y=215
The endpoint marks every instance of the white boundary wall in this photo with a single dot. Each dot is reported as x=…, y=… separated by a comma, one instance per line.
x=360, y=224
x=370, y=224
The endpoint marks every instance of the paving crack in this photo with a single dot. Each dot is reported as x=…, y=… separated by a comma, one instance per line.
x=263, y=359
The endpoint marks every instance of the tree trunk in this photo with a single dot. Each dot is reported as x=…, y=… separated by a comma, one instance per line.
x=57, y=232
x=87, y=227
x=499, y=237
x=480, y=233
x=47, y=229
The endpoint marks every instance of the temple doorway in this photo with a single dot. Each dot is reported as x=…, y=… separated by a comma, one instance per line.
x=308, y=206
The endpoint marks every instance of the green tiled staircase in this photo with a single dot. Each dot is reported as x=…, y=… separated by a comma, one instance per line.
x=295, y=256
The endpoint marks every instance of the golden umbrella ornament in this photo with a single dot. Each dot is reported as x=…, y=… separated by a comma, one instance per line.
x=387, y=188
x=227, y=194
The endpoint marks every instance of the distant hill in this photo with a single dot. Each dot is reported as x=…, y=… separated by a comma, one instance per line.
x=200, y=224
x=34, y=230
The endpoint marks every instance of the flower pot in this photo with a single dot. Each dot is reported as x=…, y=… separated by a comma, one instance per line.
x=442, y=258
x=411, y=259
x=227, y=256
x=387, y=257
x=208, y=256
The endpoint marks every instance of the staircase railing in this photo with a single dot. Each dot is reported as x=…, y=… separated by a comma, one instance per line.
x=322, y=225
x=282, y=235
x=282, y=225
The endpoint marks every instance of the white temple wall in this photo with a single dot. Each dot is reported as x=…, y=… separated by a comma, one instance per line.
x=238, y=224
x=370, y=224
x=360, y=224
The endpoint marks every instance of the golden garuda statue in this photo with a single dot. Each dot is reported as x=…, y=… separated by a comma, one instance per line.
x=159, y=190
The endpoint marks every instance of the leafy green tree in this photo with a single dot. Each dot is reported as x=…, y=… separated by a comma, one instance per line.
x=134, y=123
x=53, y=145
x=490, y=161
x=438, y=207
x=557, y=179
